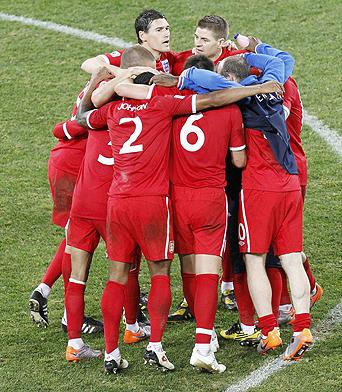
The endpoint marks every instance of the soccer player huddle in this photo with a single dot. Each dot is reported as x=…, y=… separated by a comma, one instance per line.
x=196, y=153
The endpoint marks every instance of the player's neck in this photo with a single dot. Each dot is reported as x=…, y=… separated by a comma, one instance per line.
x=156, y=54
x=216, y=55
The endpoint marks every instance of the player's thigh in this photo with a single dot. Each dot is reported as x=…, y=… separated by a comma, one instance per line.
x=83, y=234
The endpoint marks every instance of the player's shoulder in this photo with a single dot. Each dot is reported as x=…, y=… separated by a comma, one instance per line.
x=227, y=53
x=184, y=54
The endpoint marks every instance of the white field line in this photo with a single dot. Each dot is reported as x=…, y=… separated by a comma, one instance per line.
x=330, y=137
x=258, y=376
x=89, y=35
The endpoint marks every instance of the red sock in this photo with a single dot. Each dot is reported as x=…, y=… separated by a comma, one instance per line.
x=54, y=270
x=111, y=305
x=285, y=296
x=205, y=305
x=312, y=279
x=66, y=270
x=74, y=304
x=301, y=321
x=267, y=323
x=227, y=275
x=189, y=289
x=158, y=305
x=276, y=282
x=243, y=299
x=132, y=297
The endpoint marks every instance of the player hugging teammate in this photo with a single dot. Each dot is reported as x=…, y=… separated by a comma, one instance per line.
x=163, y=159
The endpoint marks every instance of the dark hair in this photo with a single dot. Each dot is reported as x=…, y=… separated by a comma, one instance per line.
x=236, y=65
x=216, y=24
x=199, y=61
x=143, y=78
x=144, y=20
x=135, y=56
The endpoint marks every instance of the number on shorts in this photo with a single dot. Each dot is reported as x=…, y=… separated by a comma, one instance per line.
x=188, y=128
x=127, y=146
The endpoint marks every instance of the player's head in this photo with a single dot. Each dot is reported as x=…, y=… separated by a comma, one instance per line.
x=153, y=31
x=136, y=56
x=210, y=35
x=199, y=61
x=234, y=68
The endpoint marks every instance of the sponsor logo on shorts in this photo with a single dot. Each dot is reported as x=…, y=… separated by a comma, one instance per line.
x=171, y=246
x=241, y=243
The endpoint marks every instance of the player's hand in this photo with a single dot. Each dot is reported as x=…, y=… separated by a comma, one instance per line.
x=230, y=45
x=102, y=73
x=165, y=80
x=272, y=87
x=253, y=42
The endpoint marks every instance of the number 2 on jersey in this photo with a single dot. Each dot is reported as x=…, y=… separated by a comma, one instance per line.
x=188, y=128
x=127, y=146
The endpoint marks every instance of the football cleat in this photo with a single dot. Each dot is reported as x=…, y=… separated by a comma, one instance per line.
x=286, y=316
x=38, y=309
x=236, y=333
x=271, y=342
x=317, y=296
x=159, y=358
x=143, y=301
x=142, y=317
x=206, y=362
x=228, y=299
x=84, y=353
x=182, y=313
x=112, y=367
x=143, y=333
x=298, y=345
x=89, y=326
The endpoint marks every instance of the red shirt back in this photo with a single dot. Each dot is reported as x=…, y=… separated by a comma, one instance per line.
x=262, y=171
x=294, y=123
x=94, y=178
x=140, y=133
x=163, y=64
x=200, y=144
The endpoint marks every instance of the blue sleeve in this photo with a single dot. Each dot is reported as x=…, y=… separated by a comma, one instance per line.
x=203, y=81
x=272, y=67
x=284, y=56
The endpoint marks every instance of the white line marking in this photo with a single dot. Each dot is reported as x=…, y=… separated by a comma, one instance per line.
x=329, y=136
x=258, y=376
x=118, y=42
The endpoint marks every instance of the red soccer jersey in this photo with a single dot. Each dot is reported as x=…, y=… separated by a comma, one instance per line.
x=294, y=123
x=140, y=132
x=181, y=57
x=94, y=178
x=262, y=171
x=163, y=64
x=68, y=153
x=200, y=145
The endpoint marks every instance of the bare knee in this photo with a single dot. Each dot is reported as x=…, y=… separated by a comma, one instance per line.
x=159, y=267
x=118, y=271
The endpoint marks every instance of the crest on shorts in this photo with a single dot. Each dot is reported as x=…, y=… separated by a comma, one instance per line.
x=171, y=246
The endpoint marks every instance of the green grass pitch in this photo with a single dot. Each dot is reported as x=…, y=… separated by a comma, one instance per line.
x=40, y=77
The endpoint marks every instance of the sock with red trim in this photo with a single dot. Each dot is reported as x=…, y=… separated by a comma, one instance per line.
x=308, y=271
x=205, y=306
x=243, y=299
x=189, y=289
x=54, y=269
x=158, y=305
x=227, y=274
x=66, y=270
x=267, y=323
x=74, y=304
x=301, y=321
x=132, y=297
x=112, y=305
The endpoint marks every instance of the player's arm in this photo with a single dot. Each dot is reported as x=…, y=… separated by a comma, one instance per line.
x=93, y=64
x=231, y=95
x=165, y=80
x=86, y=105
x=272, y=67
x=68, y=130
x=239, y=158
